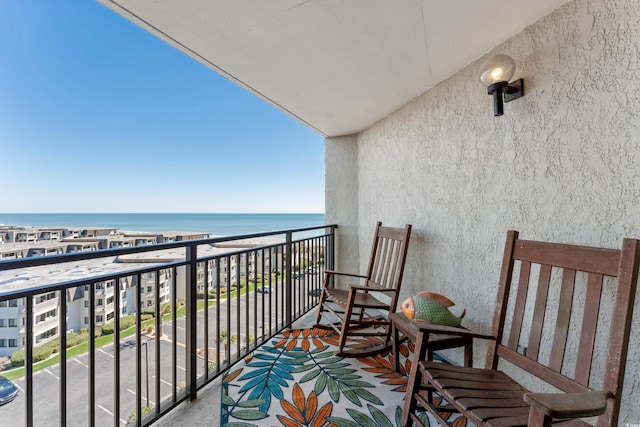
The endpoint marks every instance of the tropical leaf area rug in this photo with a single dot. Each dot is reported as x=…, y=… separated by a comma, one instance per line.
x=298, y=381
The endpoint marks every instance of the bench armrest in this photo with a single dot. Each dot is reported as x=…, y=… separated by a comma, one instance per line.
x=424, y=326
x=569, y=405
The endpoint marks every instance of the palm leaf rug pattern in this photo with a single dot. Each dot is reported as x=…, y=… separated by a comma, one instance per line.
x=298, y=381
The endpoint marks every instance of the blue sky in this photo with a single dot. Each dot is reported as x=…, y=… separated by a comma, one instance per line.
x=97, y=115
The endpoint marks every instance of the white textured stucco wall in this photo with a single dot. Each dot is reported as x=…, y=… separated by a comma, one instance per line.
x=562, y=164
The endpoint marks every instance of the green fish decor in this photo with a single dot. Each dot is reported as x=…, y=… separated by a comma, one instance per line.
x=431, y=307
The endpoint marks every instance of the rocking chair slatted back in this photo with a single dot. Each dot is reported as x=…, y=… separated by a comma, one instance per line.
x=386, y=265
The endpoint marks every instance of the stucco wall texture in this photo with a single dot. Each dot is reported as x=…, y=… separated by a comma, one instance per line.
x=562, y=164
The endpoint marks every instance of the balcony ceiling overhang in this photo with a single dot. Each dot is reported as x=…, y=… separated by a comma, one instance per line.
x=337, y=66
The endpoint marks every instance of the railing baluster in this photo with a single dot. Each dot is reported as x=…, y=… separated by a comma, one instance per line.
x=218, y=304
x=92, y=354
x=227, y=347
x=28, y=358
x=174, y=338
x=62, y=330
x=158, y=327
x=262, y=309
x=138, y=352
x=191, y=344
x=116, y=356
x=246, y=294
x=238, y=311
x=206, y=320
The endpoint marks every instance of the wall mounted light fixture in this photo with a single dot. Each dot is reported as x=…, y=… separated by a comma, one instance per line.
x=495, y=73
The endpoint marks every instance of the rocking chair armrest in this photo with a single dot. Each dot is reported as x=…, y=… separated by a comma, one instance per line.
x=339, y=273
x=371, y=288
x=432, y=328
x=569, y=405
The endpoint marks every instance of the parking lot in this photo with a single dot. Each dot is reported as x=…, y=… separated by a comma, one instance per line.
x=46, y=390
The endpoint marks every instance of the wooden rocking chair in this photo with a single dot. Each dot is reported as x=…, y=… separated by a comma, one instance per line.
x=356, y=311
x=550, y=337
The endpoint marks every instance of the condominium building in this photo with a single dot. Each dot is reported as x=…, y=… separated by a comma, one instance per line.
x=46, y=307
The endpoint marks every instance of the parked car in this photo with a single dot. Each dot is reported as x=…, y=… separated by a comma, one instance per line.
x=8, y=391
x=298, y=275
x=315, y=293
x=264, y=289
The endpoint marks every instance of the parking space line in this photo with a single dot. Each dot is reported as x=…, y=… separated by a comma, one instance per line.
x=161, y=380
x=76, y=359
x=134, y=393
x=52, y=374
x=111, y=413
x=104, y=352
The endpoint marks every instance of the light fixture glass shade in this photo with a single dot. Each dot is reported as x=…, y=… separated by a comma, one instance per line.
x=499, y=68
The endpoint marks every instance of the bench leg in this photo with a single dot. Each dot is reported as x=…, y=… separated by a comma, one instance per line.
x=468, y=354
x=413, y=384
x=538, y=418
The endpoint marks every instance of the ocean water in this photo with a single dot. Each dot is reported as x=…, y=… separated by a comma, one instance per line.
x=216, y=224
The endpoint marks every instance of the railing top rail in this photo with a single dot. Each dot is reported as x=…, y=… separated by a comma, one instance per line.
x=105, y=253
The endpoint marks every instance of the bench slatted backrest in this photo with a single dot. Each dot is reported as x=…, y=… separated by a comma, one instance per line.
x=557, y=303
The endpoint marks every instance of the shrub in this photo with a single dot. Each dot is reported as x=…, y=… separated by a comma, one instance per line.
x=146, y=316
x=108, y=328
x=77, y=338
x=125, y=323
x=200, y=295
x=39, y=354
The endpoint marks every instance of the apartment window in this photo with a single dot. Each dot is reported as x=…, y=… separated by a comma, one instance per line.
x=86, y=303
x=3, y=342
x=109, y=316
x=124, y=310
x=99, y=318
x=99, y=302
x=149, y=289
x=3, y=323
x=13, y=323
x=110, y=300
x=86, y=320
x=149, y=303
x=13, y=303
x=13, y=342
x=3, y=303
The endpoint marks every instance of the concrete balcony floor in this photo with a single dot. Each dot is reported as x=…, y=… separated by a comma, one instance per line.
x=205, y=411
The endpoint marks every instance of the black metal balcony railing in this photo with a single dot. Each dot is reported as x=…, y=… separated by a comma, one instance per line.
x=209, y=312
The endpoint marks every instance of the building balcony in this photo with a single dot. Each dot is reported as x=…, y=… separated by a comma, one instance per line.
x=158, y=361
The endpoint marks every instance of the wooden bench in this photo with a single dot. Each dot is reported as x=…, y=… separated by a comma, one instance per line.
x=400, y=324
x=570, y=311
